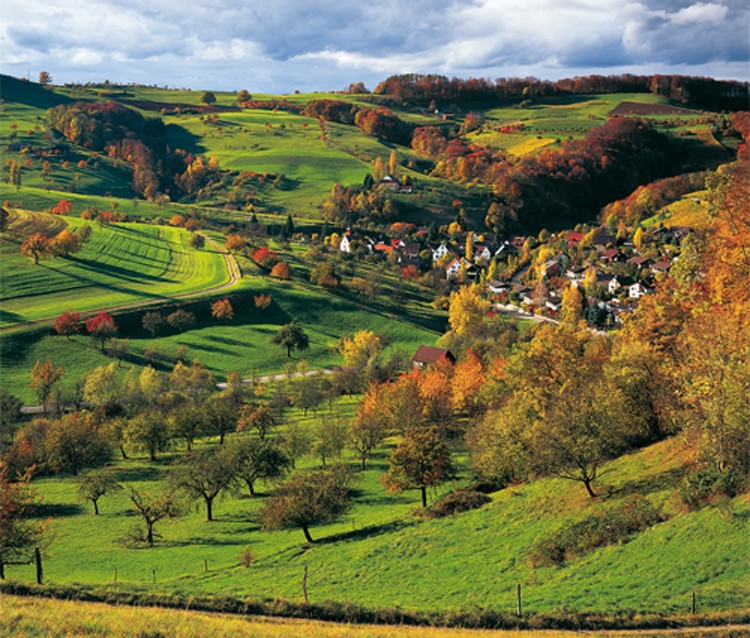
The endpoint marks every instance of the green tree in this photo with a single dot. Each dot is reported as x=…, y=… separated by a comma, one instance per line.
x=204, y=474
x=255, y=459
x=308, y=499
x=44, y=376
x=329, y=439
x=153, y=508
x=152, y=322
x=187, y=422
x=147, y=431
x=96, y=484
x=208, y=98
x=74, y=442
x=420, y=461
x=10, y=413
x=291, y=337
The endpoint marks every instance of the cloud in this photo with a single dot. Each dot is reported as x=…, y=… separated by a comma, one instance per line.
x=278, y=45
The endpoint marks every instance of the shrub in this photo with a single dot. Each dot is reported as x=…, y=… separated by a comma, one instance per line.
x=617, y=524
x=701, y=487
x=455, y=502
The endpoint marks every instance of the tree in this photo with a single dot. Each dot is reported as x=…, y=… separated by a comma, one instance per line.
x=243, y=96
x=44, y=376
x=204, y=474
x=148, y=432
x=152, y=322
x=63, y=207
x=102, y=327
x=291, y=337
x=257, y=417
x=280, y=270
x=208, y=98
x=393, y=163
x=295, y=442
x=65, y=243
x=222, y=309
x=197, y=241
x=420, y=461
x=74, y=442
x=289, y=227
x=181, y=319
x=467, y=310
x=255, y=459
x=19, y=530
x=235, y=243
x=153, y=508
x=188, y=422
x=193, y=382
x=221, y=415
x=10, y=412
x=307, y=499
x=330, y=438
x=45, y=78
x=68, y=324
x=467, y=380
x=36, y=247
x=365, y=434
x=96, y=484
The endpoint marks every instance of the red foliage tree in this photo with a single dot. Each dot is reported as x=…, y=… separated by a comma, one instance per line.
x=63, y=207
x=102, y=327
x=68, y=324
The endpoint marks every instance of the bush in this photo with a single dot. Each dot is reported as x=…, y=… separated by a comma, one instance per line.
x=701, y=487
x=618, y=524
x=455, y=502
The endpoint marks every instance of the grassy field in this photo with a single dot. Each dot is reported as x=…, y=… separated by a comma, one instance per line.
x=120, y=264
x=381, y=555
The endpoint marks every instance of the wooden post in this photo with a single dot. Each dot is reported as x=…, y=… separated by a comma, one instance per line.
x=115, y=575
x=2, y=569
x=153, y=574
x=304, y=585
x=692, y=603
x=518, y=599
x=38, y=560
x=205, y=564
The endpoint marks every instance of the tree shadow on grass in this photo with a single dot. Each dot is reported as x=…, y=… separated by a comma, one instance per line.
x=646, y=485
x=56, y=510
x=126, y=475
x=365, y=532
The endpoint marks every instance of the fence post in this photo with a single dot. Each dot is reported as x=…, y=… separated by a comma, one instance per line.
x=518, y=599
x=692, y=602
x=115, y=575
x=205, y=564
x=304, y=585
x=153, y=574
x=38, y=560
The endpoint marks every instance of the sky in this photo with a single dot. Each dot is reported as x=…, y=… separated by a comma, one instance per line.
x=279, y=46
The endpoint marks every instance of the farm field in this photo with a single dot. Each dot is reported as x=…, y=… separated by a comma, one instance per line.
x=381, y=555
x=121, y=264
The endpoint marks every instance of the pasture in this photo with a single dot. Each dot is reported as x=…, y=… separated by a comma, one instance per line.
x=120, y=264
x=381, y=555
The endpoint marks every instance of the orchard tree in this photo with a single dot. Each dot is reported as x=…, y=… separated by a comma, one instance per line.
x=197, y=241
x=420, y=461
x=365, y=434
x=187, y=422
x=96, y=484
x=256, y=417
x=308, y=499
x=68, y=324
x=20, y=531
x=10, y=413
x=153, y=508
x=222, y=309
x=235, y=243
x=101, y=327
x=329, y=439
x=291, y=337
x=74, y=442
x=44, y=376
x=181, y=319
x=45, y=78
x=36, y=247
x=280, y=270
x=208, y=98
x=152, y=322
x=147, y=431
x=204, y=474
x=255, y=459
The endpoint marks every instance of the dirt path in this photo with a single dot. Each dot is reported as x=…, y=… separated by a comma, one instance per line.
x=233, y=269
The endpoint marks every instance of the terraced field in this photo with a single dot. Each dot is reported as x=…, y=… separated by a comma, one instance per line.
x=121, y=264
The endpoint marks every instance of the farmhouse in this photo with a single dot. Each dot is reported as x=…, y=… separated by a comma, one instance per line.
x=431, y=355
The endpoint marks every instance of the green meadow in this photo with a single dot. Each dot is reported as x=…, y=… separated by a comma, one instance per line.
x=383, y=555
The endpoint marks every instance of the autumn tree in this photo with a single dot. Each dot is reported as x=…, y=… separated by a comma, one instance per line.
x=181, y=319
x=96, y=484
x=65, y=243
x=152, y=322
x=74, y=442
x=308, y=499
x=204, y=474
x=20, y=531
x=292, y=337
x=222, y=309
x=256, y=417
x=45, y=78
x=235, y=243
x=102, y=327
x=102, y=388
x=36, y=247
x=467, y=310
x=420, y=460
x=152, y=508
x=44, y=376
x=280, y=270
x=467, y=380
x=68, y=324
x=365, y=434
